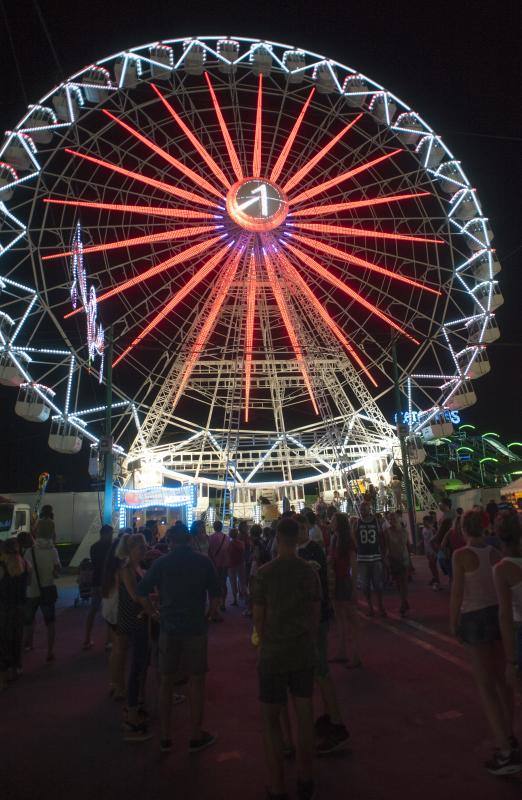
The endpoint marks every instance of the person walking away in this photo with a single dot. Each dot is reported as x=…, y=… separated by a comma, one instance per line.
x=491, y=511
x=398, y=558
x=98, y=554
x=474, y=620
x=286, y=607
x=44, y=526
x=183, y=579
x=236, y=566
x=133, y=626
x=109, y=609
x=329, y=727
x=452, y=541
x=44, y=564
x=343, y=559
x=218, y=554
x=199, y=539
x=13, y=584
x=430, y=539
x=371, y=550
x=507, y=575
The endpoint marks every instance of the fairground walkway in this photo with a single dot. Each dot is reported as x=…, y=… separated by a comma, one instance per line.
x=416, y=729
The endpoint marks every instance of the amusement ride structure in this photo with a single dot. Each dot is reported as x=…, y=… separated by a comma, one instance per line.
x=261, y=227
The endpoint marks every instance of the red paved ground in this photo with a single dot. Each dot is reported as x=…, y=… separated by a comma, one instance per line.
x=412, y=712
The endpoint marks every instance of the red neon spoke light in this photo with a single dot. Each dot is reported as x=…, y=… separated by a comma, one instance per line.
x=342, y=230
x=179, y=258
x=323, y=187
x=249, y=330
x=175, y=300
x=205, y=155
x=300, y=174
x=283, y=155
x=285, y=316
x=165, y=236
x=156, y=211
x=323, y=272
x=316, y=244
x=197, y=347
x=174, y=162
x=234, y=160
x=295, y=278
x=165, y=187
x=256, y=161
x=332, y=208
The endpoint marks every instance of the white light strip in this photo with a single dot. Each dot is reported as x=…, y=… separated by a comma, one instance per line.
x=26, y=314
x=69, y=386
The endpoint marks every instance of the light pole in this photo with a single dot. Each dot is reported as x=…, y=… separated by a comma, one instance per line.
x=108, y=459
x=401, y=431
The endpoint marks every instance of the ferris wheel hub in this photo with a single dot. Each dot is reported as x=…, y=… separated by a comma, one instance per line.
x=257, y=204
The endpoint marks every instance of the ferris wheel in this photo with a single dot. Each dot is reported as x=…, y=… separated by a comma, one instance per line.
x=259, y=225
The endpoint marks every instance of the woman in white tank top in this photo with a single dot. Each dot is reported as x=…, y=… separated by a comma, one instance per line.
x=474, y=620
x=508, y=582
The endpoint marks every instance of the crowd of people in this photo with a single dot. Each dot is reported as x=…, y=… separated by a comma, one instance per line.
x=158, y=594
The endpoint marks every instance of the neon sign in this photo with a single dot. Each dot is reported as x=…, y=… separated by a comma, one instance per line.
x=416, y=417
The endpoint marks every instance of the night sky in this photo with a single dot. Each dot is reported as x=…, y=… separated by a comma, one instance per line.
x=457, y=64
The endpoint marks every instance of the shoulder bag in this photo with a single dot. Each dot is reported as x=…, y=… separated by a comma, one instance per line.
x=48, y=594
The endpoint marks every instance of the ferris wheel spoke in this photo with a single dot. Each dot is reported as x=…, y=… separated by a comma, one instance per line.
x=156, y=211
x=316, y=244
x=334, y=281
x=285, y=316
x=168, y=188
x=230, y=270
x=334, y=208
x=300, y=174
x=342, y=230
x=234, y=160
x=179, y=258
x=174, y=162
x=203, y=152
x=249, y=330
x=176, y=299
x=307, y=194
x=258, y=136
x=165, y=236
x=283, y=155
x=297, y=280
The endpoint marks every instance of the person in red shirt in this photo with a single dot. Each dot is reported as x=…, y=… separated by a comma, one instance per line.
x=236, y=566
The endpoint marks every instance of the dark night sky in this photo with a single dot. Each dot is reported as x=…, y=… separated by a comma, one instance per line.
x=458, y=64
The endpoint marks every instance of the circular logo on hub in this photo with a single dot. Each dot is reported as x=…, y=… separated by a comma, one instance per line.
x=257, y=204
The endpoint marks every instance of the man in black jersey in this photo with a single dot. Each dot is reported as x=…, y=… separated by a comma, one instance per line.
x=370, y=556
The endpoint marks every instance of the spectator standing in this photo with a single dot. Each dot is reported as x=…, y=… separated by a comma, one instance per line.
x=218, y=554
x=183, y=579
x=98, y=555
x=474, y=619
x=315, y=534
x=508, y=583
x=431, y=546
x=398, y=558
x=371, y=551
x=44, y=563
x=343, y=558
x=236, y=566
x=329, y=727
x=504, y=504
x=133, y=629
x=44, y=526
x=491, y=511
x=199, y=540
x=287, y=611
x=110, y=597
x=13, y=583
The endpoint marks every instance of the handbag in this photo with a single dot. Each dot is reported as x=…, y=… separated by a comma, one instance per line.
x=48, y=594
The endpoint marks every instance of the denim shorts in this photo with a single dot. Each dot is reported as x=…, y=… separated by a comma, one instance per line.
x=479, y=627
x=371, y=576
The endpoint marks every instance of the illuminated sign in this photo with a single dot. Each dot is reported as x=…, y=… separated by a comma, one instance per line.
x=416, y=418
x=156, y=496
